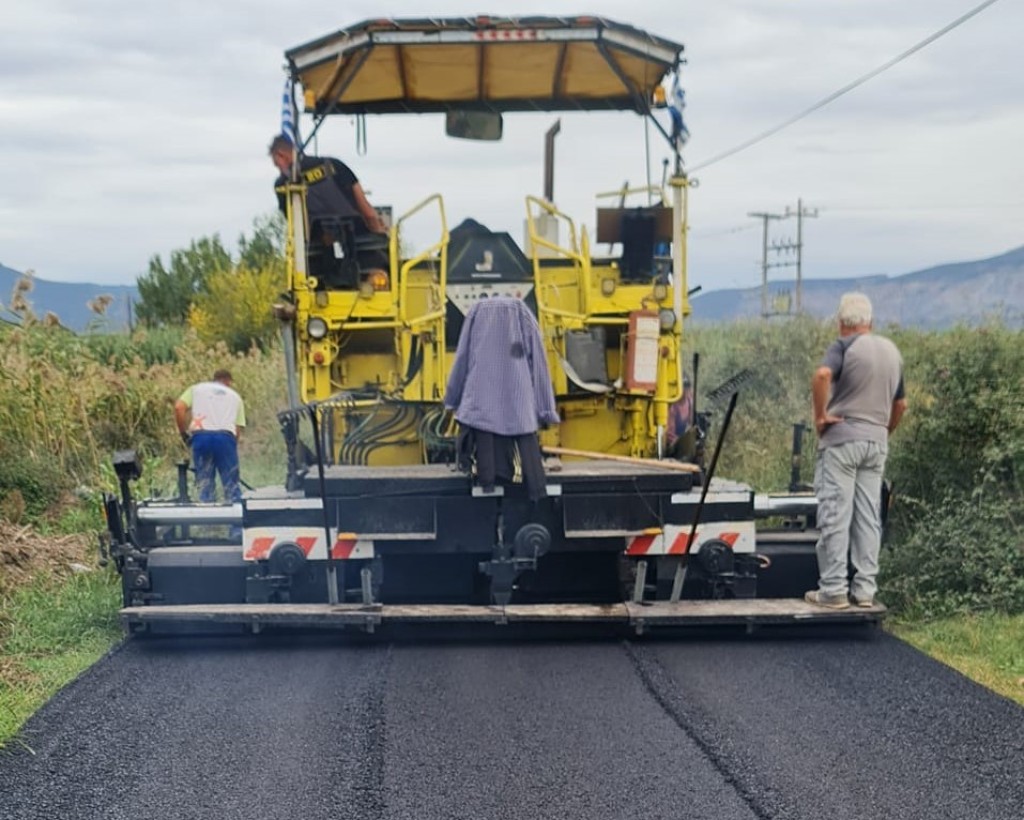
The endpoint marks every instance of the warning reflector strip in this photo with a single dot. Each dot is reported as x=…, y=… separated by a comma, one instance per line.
x=259, y=543
x=675, y=540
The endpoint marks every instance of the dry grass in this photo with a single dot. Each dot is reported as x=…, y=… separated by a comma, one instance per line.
x=26, y=554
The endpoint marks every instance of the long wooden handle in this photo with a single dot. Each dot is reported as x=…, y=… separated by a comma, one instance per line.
x=667, y=464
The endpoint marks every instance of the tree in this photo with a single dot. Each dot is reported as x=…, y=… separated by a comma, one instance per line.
x=167, y=293
x=235, y=306
x=267, y=243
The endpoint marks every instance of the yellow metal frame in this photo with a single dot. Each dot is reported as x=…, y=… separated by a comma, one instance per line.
x=621, y=421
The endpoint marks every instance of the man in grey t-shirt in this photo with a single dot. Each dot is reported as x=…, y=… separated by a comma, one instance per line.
x=858, y=402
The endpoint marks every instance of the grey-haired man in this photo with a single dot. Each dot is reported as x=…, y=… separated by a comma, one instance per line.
x=858, y=402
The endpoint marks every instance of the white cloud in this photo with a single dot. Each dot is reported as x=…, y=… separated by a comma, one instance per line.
x=129, y=129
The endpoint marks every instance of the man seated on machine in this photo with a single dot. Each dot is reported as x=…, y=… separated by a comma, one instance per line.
x=347, y=239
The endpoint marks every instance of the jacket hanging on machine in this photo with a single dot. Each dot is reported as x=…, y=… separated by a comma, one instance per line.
x=500, y=389
x=500, y=381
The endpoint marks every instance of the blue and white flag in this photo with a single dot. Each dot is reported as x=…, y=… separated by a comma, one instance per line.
x=288, y=113
x=676, y=105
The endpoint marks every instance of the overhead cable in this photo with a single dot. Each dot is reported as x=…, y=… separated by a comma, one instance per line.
x=846, y=88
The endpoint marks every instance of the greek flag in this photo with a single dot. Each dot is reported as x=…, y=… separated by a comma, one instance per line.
x=288, y=113
x=676, y=104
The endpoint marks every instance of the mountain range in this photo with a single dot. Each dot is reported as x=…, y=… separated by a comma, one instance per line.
x=69, y=302
x=938, y=297
x=959, y=293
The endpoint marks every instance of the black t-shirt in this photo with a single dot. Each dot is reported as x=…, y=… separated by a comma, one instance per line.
x=329, y=187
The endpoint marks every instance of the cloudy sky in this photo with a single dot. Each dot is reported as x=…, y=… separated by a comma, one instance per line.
x=129, y=128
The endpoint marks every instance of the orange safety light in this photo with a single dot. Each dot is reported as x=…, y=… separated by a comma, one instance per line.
x=380, y=280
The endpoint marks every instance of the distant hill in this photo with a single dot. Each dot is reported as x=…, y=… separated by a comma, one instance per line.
x=939, y=297
x=69, y=301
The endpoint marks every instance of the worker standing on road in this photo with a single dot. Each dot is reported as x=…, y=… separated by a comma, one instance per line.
x=210, y=417
x=858, y=402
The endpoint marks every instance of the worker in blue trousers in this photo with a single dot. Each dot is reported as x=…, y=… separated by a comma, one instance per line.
x=210, y=417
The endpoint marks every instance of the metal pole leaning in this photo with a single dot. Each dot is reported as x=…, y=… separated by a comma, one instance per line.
x=332, y=575
x=680, y=577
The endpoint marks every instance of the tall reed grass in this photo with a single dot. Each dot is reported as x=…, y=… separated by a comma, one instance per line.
x=68, y=402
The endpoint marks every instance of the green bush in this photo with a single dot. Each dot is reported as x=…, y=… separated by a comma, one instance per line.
x=67, y=402
x=956, y=465
x=955, y=539
x=781, y=358
x=960, y=556
x=31, y=483
x=150, y=345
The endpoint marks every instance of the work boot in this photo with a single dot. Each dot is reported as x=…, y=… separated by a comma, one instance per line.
x=862, y=602
x=819, y=598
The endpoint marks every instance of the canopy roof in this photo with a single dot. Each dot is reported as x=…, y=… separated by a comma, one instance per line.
x=484, y=63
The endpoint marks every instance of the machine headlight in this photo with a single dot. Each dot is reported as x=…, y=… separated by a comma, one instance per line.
x=316, y=327
x=660, y=291
x=666, y=319
x=607, y=286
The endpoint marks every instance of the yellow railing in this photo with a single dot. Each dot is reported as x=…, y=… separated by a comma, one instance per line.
x=624, y=192
x=295, y=274
x=578, y=253
x=440, y=249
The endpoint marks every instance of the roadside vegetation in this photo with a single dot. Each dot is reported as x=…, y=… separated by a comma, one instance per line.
x=953, y=569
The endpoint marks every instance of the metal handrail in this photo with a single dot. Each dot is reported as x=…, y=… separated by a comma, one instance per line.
x=580, y=262
x=440, y=248
x=643, y=189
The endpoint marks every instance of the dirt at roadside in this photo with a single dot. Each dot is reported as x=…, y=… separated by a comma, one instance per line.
x=26, y=554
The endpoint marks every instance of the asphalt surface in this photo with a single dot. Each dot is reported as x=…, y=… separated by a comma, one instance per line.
x=848, y=726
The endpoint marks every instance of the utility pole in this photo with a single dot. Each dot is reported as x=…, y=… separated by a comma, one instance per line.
x=801, y=212
x=765, y=217
x=778, y=248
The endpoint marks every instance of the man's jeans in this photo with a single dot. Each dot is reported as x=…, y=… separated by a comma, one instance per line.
x=216, y=453
x=848, y=482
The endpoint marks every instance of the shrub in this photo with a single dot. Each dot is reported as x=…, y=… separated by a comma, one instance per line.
x=67, y=403
x=961, y=556
x=955, y=534
x=234, y=308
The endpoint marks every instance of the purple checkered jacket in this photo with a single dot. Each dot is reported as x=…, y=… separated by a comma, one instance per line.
x=500, y=381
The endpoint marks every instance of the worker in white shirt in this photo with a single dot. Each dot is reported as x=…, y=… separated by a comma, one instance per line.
x=210, y=417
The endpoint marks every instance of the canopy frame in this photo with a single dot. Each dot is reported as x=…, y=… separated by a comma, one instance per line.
x=339, y=76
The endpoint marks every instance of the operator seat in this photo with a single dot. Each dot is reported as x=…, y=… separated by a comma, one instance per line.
x=645, y=234
x=342, y=252
x=638, y=229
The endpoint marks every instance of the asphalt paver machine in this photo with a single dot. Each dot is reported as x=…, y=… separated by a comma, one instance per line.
x=373, y=524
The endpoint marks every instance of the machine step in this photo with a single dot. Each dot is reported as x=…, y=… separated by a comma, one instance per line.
x=638, y=616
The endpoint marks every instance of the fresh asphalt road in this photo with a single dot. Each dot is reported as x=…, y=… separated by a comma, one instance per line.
x=841, y=726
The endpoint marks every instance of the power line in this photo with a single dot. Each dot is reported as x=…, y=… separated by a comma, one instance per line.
x=722, y=231
x=965, y=206
x=846, y=88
